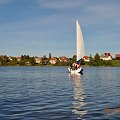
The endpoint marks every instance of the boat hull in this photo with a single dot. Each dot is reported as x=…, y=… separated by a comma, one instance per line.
x=78, y=71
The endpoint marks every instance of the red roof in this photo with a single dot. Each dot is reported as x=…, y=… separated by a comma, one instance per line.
x=53, y=58
x=63, y=58
x=107, y=54
x=86, y=57
x=117, y=55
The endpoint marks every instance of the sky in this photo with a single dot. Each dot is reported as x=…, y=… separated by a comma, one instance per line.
x=40, y=27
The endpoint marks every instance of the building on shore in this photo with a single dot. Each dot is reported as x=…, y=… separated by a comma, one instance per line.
x=63, y=59
x=106, y=56
x=38, y=59
x=86, y=58
x=117, y=56
x=53, y=60
x=18, y=58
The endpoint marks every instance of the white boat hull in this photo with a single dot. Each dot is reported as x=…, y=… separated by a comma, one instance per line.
x=78, y=71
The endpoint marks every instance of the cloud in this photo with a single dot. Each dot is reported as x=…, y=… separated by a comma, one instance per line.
x=90, y=12
x=102, y=13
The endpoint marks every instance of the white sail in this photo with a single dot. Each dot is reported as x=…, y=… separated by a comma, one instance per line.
x=79, y=42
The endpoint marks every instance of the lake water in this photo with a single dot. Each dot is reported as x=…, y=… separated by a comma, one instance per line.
x=49, y=93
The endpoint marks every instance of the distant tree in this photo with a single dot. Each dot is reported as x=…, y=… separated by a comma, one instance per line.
x=21, y=62
x=49, y=56
x=107, y=63
x=97, y=57
x=74, y=58
x=44, y=57
x=22, y=57
x=45, y=60
x=32, y=61
x=91, y=60
x=26, y=60
x=70, y=61
x=4, y=60
x=25, y=57
x=14, y=59
x=97, y=60
x=82, y=62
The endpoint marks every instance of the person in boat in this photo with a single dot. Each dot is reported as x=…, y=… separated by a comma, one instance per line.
x=74, y=66
x=78, y=65
x=71, y=66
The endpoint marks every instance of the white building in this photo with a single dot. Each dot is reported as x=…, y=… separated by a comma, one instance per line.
x=106, y=56
x=86, y=58
x=53, y=60
x=38, y=59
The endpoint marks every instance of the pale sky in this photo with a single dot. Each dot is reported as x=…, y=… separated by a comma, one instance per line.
x=40, y=27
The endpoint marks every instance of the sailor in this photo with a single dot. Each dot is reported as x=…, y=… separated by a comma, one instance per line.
x=78, y=66
x=71, y=66
x=74, y=66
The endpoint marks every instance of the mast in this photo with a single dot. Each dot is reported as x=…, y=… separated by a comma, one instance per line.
x=79, y=42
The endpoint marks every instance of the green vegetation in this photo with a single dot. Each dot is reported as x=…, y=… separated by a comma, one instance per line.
x=12, y=61
x=97, y=62
x=26, y=60
x=115, y=62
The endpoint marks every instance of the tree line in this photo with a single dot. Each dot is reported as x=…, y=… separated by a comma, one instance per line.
x=96, y=61
x=26, y=60
x=12, y=61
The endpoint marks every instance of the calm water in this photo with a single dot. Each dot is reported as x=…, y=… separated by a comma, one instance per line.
x=49, y=93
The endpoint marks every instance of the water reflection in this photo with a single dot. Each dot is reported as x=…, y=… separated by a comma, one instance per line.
x=79, y=97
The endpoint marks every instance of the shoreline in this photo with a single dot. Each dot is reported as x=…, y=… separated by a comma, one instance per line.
x=50, y=66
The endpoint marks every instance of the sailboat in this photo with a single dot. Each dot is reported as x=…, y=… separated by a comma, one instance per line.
x=79, y=49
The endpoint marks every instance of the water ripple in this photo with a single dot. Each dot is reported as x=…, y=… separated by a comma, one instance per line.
x=48, y=93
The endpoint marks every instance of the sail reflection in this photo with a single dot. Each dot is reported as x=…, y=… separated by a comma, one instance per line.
x=79, y=102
